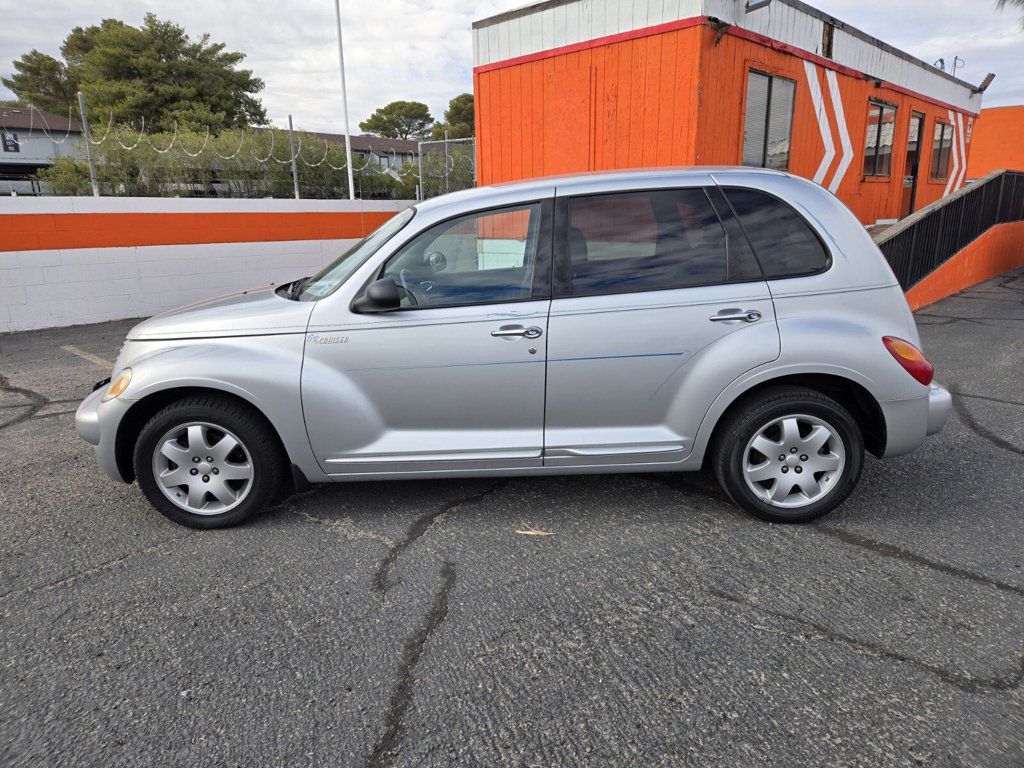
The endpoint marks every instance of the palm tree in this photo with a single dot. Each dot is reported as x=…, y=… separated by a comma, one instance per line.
x=1012, y=4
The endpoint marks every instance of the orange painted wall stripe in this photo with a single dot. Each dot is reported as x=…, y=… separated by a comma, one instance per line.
x=997, y=251
x=36, y=231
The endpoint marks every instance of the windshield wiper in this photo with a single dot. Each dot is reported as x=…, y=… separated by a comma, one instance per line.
x=296, y=288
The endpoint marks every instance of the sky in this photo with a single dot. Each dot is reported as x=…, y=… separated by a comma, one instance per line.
x=421, y=49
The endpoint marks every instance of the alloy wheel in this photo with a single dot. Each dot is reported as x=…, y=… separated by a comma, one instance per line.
x=202, y=468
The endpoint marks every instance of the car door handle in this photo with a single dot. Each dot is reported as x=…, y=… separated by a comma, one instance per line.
x=533, y=332
x=732, y=315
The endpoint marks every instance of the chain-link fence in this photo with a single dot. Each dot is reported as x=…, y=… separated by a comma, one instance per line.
x=128, y=160
x=446, y=166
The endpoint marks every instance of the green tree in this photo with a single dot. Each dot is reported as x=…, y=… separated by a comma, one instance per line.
x=155, y=73
x=458, y=119
x=42, y=81
x=400, y=120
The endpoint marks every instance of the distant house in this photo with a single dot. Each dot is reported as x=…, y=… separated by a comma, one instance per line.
x=385, y=153
x=33, y=139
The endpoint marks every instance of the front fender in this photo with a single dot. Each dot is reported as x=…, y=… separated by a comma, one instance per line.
x=262, y=370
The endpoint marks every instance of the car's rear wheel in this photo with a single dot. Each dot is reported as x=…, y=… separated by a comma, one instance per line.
x=208, y=462
x=789, y=455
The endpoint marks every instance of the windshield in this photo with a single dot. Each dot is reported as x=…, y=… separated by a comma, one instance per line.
x=338, y=271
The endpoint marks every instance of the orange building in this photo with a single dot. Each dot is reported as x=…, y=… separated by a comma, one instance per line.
x=574, y=85
x=998, y=142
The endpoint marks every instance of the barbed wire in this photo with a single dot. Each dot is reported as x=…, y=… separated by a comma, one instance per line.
x=456, y=167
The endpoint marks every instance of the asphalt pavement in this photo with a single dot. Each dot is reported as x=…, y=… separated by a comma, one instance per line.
x=411, y=624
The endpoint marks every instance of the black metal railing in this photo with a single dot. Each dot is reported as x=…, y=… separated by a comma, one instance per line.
x=925, y=240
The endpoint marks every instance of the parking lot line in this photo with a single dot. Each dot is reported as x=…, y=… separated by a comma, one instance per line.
x=87, y=356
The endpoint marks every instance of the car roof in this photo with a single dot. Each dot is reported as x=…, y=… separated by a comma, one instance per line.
x=567, y=182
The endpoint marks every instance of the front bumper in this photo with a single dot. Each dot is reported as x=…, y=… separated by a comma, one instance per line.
x=940, y=403
x=97, y=424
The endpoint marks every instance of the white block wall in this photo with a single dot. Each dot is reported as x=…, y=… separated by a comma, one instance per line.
x=46, y=288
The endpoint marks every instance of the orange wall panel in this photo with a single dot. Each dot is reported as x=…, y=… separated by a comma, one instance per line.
x=999, y=250
x=727, y=60
x=624, y=104
x=675, y=95
x=998, y=141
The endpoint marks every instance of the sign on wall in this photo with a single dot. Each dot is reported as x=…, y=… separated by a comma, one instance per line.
x=10, y=140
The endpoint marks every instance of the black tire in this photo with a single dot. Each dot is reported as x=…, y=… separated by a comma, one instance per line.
x=750, y=416
x=268, y=460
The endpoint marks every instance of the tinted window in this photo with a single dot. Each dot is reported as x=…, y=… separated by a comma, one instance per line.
x=482, y=258
x=648, y=241
x=784, y=243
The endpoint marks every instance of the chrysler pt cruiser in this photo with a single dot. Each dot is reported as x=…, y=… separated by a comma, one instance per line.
x=650, y=321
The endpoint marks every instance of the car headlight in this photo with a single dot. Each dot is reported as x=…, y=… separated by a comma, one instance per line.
x=118, y=384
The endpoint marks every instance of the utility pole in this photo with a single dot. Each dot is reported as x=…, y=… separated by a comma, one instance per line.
x=88, y=145
x=344, y=102
x=291, y=145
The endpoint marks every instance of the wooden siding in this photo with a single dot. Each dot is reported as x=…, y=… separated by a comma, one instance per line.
x=678, y=98
x=529, y=32
x=625, y=105
x=998, y=141
x=720, y=133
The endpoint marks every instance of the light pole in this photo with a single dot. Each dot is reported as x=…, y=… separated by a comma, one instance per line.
x=344, y=103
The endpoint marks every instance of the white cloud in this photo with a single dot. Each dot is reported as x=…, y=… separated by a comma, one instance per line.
x=421, y=49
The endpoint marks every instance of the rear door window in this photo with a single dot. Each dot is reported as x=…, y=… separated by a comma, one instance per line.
x=783, y=241
x=649, y=241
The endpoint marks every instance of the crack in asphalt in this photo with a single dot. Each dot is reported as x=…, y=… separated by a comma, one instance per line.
x=105, y=566
x=36, y=402
x=963, y=681
x=381, y=580
x=898, y=553
x=387, y=747
x=990, y=399
x=980, y=430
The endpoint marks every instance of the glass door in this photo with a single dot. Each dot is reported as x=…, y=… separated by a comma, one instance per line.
x=913, y=164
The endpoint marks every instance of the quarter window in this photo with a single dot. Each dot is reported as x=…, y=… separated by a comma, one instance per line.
x=650, y=241
x=878, y=144
x=768, y=121
x=942, y=145
x=481, y=258
x=784, y=243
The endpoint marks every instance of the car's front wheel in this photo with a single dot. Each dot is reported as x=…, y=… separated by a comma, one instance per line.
x=208, y=462
x=790, y=455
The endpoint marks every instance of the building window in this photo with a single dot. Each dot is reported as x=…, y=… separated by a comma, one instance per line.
x=941, y=148
x=878, y=145
x=768, y=122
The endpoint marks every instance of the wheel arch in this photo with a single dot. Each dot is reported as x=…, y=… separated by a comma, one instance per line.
x=852, y=395
x=141, y=411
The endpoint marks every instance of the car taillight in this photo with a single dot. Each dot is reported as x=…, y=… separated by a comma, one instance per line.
x=911, y=358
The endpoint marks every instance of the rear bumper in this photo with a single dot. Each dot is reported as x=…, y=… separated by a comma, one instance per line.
x=909, y=422
x=940, y=403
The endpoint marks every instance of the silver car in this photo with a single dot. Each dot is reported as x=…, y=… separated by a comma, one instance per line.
x=648, y=321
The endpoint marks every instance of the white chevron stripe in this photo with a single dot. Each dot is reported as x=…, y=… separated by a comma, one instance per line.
x=844, y=133
x=963, y=152
x=956, y=155
x=823, y=126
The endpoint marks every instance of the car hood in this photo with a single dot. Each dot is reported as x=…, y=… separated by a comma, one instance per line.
x=258, y=312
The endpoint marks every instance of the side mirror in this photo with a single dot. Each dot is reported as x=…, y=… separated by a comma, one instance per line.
x=381, y=295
